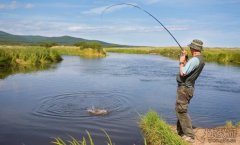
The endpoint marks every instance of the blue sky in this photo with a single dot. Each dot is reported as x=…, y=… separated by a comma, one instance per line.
x=216, y=22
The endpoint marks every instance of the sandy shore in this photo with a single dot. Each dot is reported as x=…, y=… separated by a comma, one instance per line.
x=216, y=136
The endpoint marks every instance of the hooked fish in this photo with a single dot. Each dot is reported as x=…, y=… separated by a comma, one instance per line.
x=97, y=111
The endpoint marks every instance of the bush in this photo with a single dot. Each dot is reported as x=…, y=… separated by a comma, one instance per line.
x=93, y=45
x=48, y=44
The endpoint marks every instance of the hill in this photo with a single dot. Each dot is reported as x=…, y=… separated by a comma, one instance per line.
x=10, y=39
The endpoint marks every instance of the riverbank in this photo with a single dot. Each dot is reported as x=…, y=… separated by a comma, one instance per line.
x=226, y=56
x=38, y=55
x=22, y=59
x=156, y=131
x=76, y=51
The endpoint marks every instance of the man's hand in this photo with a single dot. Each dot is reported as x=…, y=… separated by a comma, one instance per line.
x=183, y=57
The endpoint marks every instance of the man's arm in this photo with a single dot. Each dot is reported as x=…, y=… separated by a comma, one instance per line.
x=186, y=68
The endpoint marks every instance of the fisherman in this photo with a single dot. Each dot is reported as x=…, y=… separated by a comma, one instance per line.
x=188, y=73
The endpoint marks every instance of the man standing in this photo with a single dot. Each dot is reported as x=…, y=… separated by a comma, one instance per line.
x=188, y=73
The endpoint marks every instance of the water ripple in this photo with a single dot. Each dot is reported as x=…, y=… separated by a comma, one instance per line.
x=74, y=105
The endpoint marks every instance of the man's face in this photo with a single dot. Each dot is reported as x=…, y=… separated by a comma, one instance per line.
x=192, y=50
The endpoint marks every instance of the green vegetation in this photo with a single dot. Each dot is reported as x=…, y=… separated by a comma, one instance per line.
x=84, y=141
x=238, y=124
x=13, y=56
x=22, y=59
x=86, y=52
x=16, y=59
x=229, y=124
x=158, y=132
x=85, y=45
x=217, y=55
x=223, y=56
x=48, y=44
x=164, y=51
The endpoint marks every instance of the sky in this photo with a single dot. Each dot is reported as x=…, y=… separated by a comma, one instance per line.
x=215, y=22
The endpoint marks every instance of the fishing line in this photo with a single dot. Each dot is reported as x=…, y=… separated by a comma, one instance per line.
x=136, y=6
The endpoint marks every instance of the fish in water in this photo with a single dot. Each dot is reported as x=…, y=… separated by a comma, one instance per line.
x=97, y=111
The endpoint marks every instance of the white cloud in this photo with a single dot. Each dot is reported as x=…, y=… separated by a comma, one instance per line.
x=152, y=1
x=29, y=6
x=118, y=29
x=56, y=28
x=15, y=5
x=106, y=9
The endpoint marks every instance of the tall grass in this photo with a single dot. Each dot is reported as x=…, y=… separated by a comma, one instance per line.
x=158, y=132
x=217, y=55
x=12, y=56
x=84, y=141
x=22, y=59
x=229, y=124
x=222, y=56
x=87, y=52
x=164, y=51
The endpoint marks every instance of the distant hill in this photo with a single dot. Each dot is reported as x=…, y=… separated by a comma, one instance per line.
x=6, y=38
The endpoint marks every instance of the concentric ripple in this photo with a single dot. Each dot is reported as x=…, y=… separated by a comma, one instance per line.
x=75, y=105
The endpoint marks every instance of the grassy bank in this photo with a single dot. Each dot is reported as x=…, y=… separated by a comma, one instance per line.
x=25, y=59
x=217, y=55
x=22, y=59
x=22, y=55
x=158, y=132
x=73, y=50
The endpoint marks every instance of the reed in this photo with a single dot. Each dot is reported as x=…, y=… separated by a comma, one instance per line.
x=158, y=132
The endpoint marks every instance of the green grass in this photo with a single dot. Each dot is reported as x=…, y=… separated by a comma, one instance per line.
x=222, y=56
x=76, y=51
x=25, y=59
x=158, y=132
x=84, y=141
x=17, y=55
x=217, y=55
x=229, y=124
x=164, y=51
x=238, y=124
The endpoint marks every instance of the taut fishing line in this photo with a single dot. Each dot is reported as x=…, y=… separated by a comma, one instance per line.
x=136, y=6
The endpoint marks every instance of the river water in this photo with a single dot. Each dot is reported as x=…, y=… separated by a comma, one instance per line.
x=39, y=106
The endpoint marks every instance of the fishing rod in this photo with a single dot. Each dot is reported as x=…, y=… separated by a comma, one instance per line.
x=136, y=6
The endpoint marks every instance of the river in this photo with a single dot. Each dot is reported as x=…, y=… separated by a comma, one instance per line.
x=39, y=106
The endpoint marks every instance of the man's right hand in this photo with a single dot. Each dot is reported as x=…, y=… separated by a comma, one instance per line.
x=183, y=56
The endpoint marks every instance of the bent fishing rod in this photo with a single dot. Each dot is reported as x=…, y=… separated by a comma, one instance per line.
x=136, y=6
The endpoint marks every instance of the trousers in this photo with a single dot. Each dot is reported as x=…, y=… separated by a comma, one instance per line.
x=184, y=123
